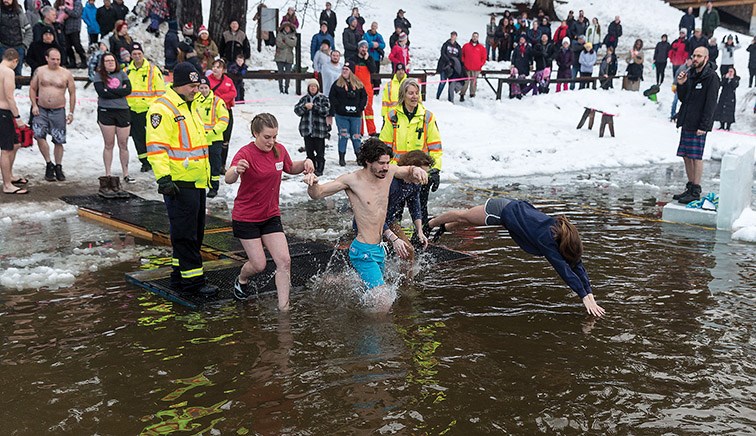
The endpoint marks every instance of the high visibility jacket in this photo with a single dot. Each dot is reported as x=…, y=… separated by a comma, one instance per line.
x=391, y=95
x=214, y=116
x=146, y=85
x=176, y=141
x=419, y=133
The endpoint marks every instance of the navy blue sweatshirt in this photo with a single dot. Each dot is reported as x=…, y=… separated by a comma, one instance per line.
x=402, y=192
x=531, y=230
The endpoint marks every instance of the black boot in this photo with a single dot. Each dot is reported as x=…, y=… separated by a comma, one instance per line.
x=686, y=191
x=105, y=191
x=50, y=172
x=59, y=176
x=692, y=195
x=342, y=161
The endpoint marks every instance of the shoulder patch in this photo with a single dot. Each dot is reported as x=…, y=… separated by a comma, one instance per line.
x=155, y=120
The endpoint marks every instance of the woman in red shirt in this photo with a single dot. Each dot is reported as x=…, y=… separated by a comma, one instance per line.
x=256, y=217
x=223, y=88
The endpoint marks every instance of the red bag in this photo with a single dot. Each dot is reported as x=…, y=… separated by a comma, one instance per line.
x=25, y=136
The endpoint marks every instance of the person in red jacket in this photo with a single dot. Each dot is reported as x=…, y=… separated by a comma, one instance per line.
x=400, y=53
x=224, y=88
x=679, y=52
x=561, y=32
x=473, y=58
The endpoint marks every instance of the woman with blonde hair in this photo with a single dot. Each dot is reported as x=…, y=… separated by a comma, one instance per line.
x=348, y=99
x=556, y=239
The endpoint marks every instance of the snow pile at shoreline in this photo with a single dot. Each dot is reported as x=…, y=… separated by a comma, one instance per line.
x=745, y=226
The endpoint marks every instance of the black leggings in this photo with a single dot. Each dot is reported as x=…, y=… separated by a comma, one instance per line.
x=73, y=42
x=752, y=78
x=660, y=67
x=315, y=149
x=227, y=138
x=724, y=125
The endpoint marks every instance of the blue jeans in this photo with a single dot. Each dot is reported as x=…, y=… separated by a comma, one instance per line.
x=673, y=112
x=349, y=127
x=575, y=72
x=21, y=52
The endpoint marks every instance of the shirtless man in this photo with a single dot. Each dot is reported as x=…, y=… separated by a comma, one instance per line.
x=368, y=193
x=8, y=112
x=47, y=93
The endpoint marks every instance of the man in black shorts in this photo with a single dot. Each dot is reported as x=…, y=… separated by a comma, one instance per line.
x=8, y=113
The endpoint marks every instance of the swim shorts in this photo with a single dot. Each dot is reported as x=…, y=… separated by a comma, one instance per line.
x=50, y=122
x=247, y=230
x=493, y=209
x=368, y=260
x=8, y=138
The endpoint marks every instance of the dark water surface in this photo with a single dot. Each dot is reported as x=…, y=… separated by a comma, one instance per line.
x=490, y=345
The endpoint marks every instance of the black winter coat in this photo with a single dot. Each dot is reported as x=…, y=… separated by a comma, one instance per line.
x=662, y=51
x=726, y=107
x=613, y=34
x=402, y=23
x=694, y=43
x=347, y=102
x=121, y=10
x=752, y=55
x=688, y=22
x=698, y=96
x=522, y=60
x=330, y=20
x=713, y=54
x=170, y=46
x=543, y=55
x=577, y=28
x=350, y=39
x=448, y=51
x=106, y=18
x=576, y=48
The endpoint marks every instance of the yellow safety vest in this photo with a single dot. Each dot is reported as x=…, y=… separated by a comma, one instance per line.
x=419, y=133
x=146, y=85
x=176, y=141
x=391, y=95
x=214, y=116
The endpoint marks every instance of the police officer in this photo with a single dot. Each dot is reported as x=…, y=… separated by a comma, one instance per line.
x=177, y=149
x=146, y=85
x=410, y=126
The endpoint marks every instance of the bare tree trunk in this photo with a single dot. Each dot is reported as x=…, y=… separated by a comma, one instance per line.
x=547, y=6
x=189, y=11
x=221, y=13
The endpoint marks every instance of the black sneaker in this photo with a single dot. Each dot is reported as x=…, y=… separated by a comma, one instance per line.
x=50, y=172
x=208, y=290
x=129, y=179
x=241, y=291
x=436, y=236
x=59, y=176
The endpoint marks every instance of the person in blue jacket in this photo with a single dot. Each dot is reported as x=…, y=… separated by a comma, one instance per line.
x=539, y=234
x=89, y=16
x=318, y=38
x=375, y=41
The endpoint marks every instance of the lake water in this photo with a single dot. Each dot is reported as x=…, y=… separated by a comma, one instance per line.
x=490, y=345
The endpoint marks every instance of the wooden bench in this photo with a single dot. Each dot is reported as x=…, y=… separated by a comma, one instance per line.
x=607, y=119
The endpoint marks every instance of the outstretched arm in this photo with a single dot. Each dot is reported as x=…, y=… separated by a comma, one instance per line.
x=475, y=216
x=306, y=166
x=317, y=191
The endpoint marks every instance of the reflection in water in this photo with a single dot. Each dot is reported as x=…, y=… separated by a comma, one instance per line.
x=491, y=345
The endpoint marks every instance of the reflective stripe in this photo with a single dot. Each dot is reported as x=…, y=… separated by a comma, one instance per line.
x=436, y=146
x=184, y=140
x=175, y=153
x=192, y=273
x=174, y=262
x=215, y=178
x=226, y=119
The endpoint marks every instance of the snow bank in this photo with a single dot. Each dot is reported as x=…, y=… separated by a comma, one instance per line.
x=745, y=226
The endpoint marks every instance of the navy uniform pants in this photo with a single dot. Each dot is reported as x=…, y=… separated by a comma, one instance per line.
x=186, y=213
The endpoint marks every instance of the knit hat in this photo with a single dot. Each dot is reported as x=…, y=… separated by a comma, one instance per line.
x=136, y=46
x=349, y=20
x=565, y=40
x=348, y=64
x=202, y=30
x=313, y=82
x=186, y=45
x=188, y=29
x=402, y=36
x=185, y=74
x=48, y=30
x=400, y=66
x=362, y=43
x=203, y=81
x=123, y=53
x=588, y=46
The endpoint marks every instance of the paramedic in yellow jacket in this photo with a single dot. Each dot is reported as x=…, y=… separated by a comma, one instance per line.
x=215, y=117
x=146, y=85
x=177, y=149
x=391, y=91
x=410, y=126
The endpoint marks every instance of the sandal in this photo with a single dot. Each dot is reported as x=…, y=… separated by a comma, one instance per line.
x=20, y=181
x=17, y=192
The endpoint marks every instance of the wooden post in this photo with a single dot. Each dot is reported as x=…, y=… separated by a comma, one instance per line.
x=753, y=20
x=298, y=61
x=498, y=89
x=423, y=80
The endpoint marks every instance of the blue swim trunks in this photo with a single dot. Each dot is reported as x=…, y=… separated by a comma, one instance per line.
x=368, y=260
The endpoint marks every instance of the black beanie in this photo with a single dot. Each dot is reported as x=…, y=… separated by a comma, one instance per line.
x=184, y=74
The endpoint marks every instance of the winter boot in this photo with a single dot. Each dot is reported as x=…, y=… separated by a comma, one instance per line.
x=105, y=190
x=687, y=190
x=692, y=195
x=59, y=176
x=342, y=161
x=50, y=172
x=115, y=185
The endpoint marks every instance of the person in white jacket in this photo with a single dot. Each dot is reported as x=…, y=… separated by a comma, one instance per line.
x=587, y=62
x=594, y=35
x=727, y=51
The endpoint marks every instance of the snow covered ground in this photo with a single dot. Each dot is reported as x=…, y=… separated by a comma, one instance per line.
x=484, y=140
